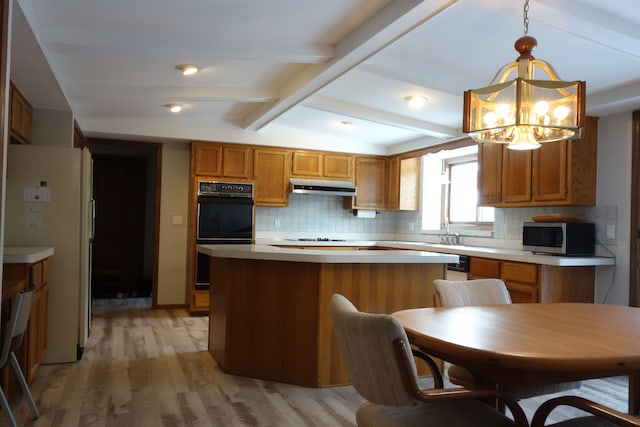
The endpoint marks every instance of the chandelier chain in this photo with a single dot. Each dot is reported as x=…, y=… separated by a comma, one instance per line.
x=525, y=14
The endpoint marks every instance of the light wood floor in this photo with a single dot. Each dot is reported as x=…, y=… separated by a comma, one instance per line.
x=146, y=367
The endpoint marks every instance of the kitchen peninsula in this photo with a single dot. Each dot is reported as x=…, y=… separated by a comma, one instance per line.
x=269, y=316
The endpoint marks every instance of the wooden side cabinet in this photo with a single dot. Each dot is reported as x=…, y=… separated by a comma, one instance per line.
x=370, y=180
x=20, y=116
x=17, y=277
x=403, y=184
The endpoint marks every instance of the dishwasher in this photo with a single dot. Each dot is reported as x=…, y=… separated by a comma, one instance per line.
x=458, y=270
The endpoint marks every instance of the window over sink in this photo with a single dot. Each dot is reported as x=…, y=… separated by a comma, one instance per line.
x=450, y=193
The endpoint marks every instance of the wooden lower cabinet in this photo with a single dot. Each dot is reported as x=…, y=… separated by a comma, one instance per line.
x=35, y=342
x=200, y=301
x=270, y=319
x=531, y=283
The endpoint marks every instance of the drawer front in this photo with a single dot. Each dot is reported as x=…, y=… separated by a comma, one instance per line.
x=200, y=300
x=520, y=272
x=483, y=267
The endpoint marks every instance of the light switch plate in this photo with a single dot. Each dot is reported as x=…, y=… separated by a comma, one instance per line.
x=611, y=231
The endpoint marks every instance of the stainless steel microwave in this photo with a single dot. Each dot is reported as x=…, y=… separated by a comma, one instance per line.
x=559, y=238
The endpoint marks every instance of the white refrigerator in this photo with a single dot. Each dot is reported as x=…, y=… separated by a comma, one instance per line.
x=60, y=215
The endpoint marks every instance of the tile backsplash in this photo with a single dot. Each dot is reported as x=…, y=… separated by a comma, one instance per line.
x=325, y=214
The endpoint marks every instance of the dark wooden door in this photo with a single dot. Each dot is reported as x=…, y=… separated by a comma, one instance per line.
x=119, y=188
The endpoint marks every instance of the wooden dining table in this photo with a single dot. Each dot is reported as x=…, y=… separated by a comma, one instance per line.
x=533, y=344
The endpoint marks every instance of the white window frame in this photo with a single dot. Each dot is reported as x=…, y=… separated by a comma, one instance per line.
x=435, y=193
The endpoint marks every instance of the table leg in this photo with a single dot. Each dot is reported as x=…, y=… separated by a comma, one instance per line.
x=634, y=394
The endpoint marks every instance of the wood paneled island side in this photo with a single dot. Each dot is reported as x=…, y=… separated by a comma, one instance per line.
x=269, y=316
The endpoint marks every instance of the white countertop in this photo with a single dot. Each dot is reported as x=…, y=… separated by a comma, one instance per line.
x=328, y=256
x=486, y=252
x=506, y=254
x=25, y=254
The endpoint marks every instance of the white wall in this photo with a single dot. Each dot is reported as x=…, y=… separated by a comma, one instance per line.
x=172, y=258
x=614, y=189
x=50, y=127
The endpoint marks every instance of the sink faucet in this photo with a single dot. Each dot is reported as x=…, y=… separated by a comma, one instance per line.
x=447, y=238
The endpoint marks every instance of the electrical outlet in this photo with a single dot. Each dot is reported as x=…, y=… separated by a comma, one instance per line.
x=276, y=223
x=412, y=226
x=611, y=231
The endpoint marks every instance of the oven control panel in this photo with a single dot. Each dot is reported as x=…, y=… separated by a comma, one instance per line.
x=225, y=189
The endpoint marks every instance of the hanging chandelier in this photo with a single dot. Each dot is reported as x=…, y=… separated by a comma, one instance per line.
x=525, y=112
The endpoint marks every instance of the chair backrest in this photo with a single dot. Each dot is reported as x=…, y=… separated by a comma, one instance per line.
x=471, y=292
x=15, y=328
x=366, y=342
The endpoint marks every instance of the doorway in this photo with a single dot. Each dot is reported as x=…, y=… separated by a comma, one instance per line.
x=125, y=182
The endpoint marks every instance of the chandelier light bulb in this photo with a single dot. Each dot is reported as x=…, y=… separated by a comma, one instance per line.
x=523, y=139
x=490, y=119
x=502, y=111
x=561, y=112
x=541, y=108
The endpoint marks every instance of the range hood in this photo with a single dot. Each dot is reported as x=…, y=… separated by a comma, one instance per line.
x=321, y=186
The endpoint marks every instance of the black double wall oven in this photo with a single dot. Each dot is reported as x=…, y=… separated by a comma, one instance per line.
x=225, y=216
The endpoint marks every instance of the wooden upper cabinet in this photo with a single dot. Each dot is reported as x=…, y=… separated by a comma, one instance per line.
x=564, y=172
x=489, y=173
x=270, y=176
x=206, y=159
x=321, y=165
x=236, y=161
x=370, y=180
x=306, y=164
x=504, y=176
x=20, y=116
x=516, y=175
x=550, y=173
x=403, y=184
x=337, y=166
x=560, y=173
x=393, y=184
x=227, y=161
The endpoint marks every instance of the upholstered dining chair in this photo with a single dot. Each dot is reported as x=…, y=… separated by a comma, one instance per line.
x=454, y=293
x=380, y=364
x=602, y=416
x=12, y=340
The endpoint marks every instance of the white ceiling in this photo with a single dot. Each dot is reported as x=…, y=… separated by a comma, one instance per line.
x=286, y=72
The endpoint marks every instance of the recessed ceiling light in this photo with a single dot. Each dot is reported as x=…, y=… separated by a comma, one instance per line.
x=187, y=69
x=416, y=101
x=174, y=108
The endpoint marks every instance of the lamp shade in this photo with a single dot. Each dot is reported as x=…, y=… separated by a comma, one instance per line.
x=523, y=111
